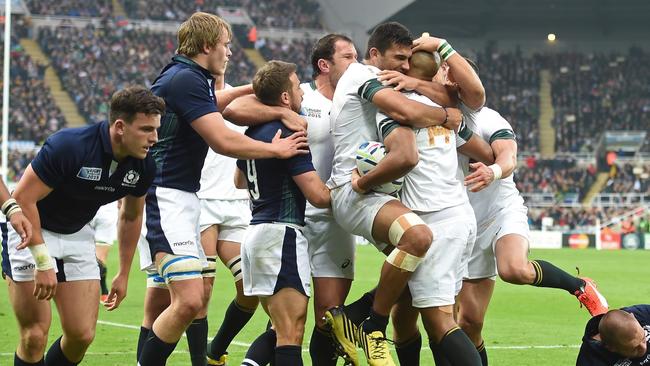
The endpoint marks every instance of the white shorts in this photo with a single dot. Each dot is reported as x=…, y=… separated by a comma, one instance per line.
x=172, y=226
x=73, y=255
x=439, y=277
x=331, y=248
x=356, y=212
x=483, y=261
x=105, y=224
x=273, y=257
x=232, y=216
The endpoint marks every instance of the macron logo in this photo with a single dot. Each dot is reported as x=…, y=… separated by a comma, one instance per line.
x=88, y=173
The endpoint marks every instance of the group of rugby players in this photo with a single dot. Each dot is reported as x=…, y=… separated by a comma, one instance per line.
x=458, y=222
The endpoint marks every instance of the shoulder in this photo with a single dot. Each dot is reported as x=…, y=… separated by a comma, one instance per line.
x=188, y=79
x=266, y=131
x=420, y=98
x=70, y=140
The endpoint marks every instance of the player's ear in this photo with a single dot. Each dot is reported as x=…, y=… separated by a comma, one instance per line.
x=119, y=126
x=373, y=52
x=285, y=98
x=323, y=65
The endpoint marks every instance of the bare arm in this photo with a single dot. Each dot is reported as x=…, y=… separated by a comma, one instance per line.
x=477, y=149
x=240, y=179
x=505, y=152
x=313, y=188
x=30, y=190
x=129, y=226
x=401, y=157
x=15, y=216
x=249, y=111
x=445, y=95
x=224, y=140
x=226, y=96
x=415, y=114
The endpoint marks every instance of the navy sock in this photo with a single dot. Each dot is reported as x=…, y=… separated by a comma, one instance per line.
x=144, y=332
x=321, y=348
x=438, y=355
x=155, y=352
x=55, y=356
x=102, y=277
x=548, y=275
x=458, y=349
x=262, y=350
x=197, y=335
x=288, y=355
x=408, y=352
x=19, y=362
x=375, y=322
x=234, y=321
x=359, y=310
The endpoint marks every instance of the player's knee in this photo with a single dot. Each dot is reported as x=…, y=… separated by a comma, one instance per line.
x=291, y=335
x=514, y=274
x=81, y=338
x=472, y=325
x=33, y=340
x=187, y=308
x=417, y=240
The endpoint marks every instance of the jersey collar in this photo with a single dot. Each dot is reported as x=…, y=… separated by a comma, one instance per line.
x=105, y=137
x=191, y=63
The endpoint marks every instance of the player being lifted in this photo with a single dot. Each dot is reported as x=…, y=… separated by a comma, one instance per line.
x=378, y=217
x=331, y=248
x=191, y=125
x=275, y=260
x=77, y=171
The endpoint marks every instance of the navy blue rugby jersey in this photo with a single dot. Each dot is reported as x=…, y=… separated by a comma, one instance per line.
x=274, y=195
x=188, y=91
x=593, y=353
x=78, y=164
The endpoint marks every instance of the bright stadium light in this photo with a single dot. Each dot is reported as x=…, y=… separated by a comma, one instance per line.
x=551, y=37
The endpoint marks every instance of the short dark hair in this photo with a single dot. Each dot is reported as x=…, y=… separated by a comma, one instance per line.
x=271, y=80
x=324, y=48
x=388, y=34
x=128, y=102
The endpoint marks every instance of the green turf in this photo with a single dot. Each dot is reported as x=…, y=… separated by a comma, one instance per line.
x=519, y=316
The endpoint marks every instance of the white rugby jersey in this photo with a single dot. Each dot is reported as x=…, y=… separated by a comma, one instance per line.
x=352, y=118
x=490, y=126
x=218, y=174
x=433, y=184
x=315, y=109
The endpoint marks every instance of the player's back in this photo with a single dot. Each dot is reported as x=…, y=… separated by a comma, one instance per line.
x=275, y=197
x=352, y=118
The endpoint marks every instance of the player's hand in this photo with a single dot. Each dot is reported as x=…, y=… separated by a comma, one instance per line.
x=44, y=284
x=117, y=293
x=398, y=80
x=290, y=146
x=426, y=43
x=293, y=121
x=454, y=118
x=480, y=178
x=23, y=227
x=355, y=182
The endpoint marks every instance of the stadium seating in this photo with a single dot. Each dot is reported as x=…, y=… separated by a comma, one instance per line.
x=272, y=13
x=93, y=8
x=297, y=51
x=562, y=178
x=94, y=63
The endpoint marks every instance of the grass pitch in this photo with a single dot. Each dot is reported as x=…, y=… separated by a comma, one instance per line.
x=525, y=325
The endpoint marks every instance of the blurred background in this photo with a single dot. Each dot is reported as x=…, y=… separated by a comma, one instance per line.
x=572, y=77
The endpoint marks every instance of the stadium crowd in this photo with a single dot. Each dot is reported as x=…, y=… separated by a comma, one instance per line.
x=274, y=13
x=562, y=178
x=79, y=8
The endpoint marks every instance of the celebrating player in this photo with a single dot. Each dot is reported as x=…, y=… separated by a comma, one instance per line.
x=77, y=171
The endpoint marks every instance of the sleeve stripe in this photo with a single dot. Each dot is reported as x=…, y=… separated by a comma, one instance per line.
x=368, y=89
x=503, y=134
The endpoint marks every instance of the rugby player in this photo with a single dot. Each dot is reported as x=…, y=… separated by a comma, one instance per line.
x=75, y=173
x=275, y=262
x=331, y=248
x=379, y=218
x=619, y=337
x=191, y=125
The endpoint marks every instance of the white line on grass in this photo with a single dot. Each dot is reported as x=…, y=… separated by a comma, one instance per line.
x=243, y=344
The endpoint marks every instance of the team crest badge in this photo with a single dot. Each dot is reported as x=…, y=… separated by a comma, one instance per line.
x=131, y=178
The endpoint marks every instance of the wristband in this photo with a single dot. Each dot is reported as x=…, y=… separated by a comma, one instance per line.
x=496, y=169
x=8, y=205
x=41, y=257
x=446, y=116
x=445, y=50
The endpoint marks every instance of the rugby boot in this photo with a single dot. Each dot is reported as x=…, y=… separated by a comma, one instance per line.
x=591, y=298
x=375, y=347
x=221, y=361
x=343, y=333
